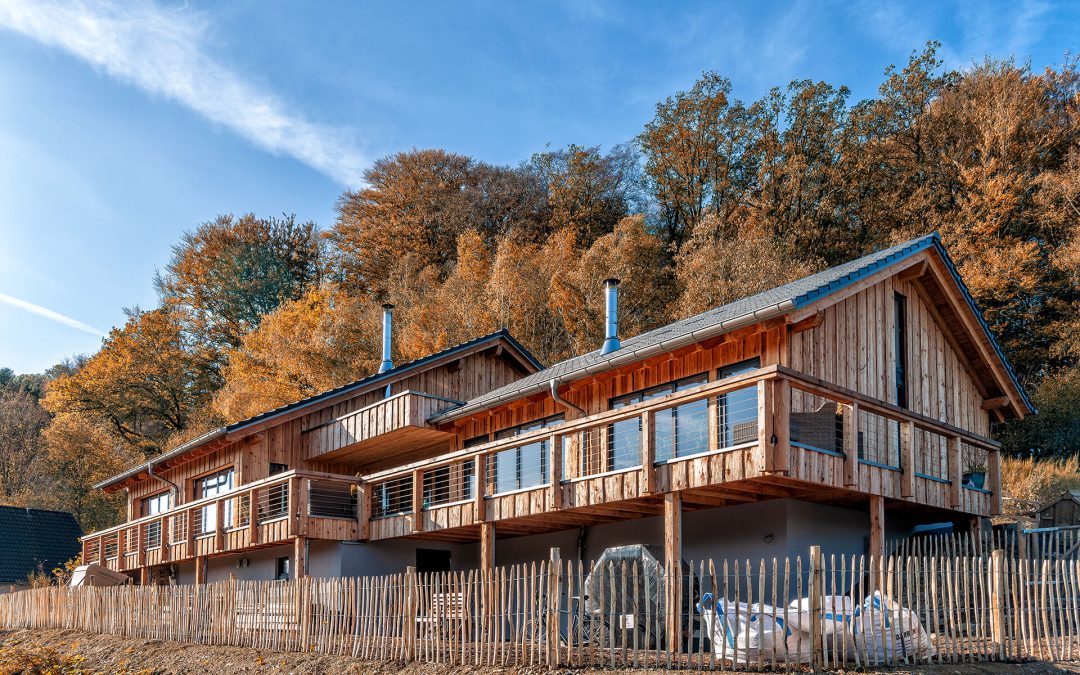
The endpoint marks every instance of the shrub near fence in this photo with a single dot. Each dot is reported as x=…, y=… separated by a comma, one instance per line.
x=972, y=608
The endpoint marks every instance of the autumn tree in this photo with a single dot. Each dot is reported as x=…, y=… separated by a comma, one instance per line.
x=21, y=423
x=80, y=451
x=149, y=382
x=226, y=274
x=415, y=206
x=589, y=191
x=319, y=341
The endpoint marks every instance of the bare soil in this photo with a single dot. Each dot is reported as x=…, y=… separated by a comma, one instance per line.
x=69, y=652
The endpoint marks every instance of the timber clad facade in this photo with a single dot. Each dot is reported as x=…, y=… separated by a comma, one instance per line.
x=868, y=387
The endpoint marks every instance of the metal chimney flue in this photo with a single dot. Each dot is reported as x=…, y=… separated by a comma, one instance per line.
x=387, y=337
x=611, y=333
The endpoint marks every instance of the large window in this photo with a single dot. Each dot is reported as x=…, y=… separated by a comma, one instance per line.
x=448, y=484
x=900, y=345
x=680, y=431
x=737, y=411
x=214, y=485
x=525, y=466
x=155, y=505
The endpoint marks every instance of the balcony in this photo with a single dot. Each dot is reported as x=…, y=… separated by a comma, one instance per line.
x=393, y=430
x=264, y=513
x=769, y=433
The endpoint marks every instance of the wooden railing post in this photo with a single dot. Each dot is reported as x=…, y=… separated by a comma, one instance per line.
x=782, y=425
x=140, y=543
x=219, y=524
x=907, y=459
x=253, y=517
x=164, y=537
x=101, y=550
x=817, y=562
x=478, y=487
x=851, y=444
x=648, y=451
x=555, y=449
x=418, y=500
x=363, y=511
x=955, y=473
x=766, y=423
x=993, y=477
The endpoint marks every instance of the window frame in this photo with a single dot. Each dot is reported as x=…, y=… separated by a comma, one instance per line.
x=640, y=396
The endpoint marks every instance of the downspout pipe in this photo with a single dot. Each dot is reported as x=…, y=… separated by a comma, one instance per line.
x=562, y=401
x=174, y=488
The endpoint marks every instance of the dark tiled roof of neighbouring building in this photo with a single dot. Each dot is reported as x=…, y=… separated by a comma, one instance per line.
x=35, y=540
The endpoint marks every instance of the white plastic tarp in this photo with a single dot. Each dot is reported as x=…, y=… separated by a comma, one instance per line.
x=743, y=633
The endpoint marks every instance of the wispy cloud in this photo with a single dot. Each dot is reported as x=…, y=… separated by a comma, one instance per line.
x=49, y=314
x=163, y=51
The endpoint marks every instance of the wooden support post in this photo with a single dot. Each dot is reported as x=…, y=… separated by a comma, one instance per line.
x=363, y=512
x=144, y=576
x=553, y=596
x=480, y=514
x=487, y=545
x=955, y=473
x=219, y=525
x=418, y=500
x=877, y=525
x=294, y=506
x=200, y=570
x=253, y=517
x=673, y=569
x=907, y=459
x=555, y=449
x=998, y=584
x=993, y=480
x=300, y=557
x=816, y=592
x=851, y=444
x=766, y=423
x=648, y=451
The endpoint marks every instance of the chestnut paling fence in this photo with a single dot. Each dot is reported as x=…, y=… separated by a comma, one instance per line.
x=825, y=612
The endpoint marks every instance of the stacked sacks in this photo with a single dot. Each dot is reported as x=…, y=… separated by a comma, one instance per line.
x=742, y=633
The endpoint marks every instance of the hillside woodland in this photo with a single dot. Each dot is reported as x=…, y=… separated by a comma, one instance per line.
x=717, y=198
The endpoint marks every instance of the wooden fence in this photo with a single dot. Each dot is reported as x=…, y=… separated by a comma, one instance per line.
x=768, y=614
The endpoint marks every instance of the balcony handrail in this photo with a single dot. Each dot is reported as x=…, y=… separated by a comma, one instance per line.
x=703, y=391
x=376, y=404
x=237, y=491
x=833, y=392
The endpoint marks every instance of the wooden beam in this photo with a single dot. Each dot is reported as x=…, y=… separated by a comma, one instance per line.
x=765, y=423
x=806, y=324
x=479, y=505
x=877, y=525
x=363, y=511
x=995, y=403
x=673, y=565
x=993, y=477
x=299, y=557
x=487, y=545
x=914, y=272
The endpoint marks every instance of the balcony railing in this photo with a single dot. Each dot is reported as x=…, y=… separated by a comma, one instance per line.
x=286, y=505
x=772, y=417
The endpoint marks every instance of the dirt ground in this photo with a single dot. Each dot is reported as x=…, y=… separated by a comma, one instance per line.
x=69, y=652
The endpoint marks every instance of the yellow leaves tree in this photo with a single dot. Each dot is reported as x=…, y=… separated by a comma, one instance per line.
x=148, y=382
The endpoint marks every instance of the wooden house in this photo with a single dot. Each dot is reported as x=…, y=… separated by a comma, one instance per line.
x=1062, y=512
x=828, y=411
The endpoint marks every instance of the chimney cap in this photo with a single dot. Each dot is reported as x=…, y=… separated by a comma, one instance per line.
x=387, y=305
x=612, y=281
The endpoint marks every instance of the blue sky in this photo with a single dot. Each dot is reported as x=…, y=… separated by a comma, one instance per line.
x=122, y=125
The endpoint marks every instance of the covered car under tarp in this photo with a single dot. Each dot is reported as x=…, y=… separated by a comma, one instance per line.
x=97, y=575
x=626, y=586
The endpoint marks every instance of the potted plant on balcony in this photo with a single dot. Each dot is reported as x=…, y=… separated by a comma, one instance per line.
x=974, y=477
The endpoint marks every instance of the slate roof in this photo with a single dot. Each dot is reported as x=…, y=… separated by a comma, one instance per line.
x=34, y=539
x=768, y=304
x=502, y=333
